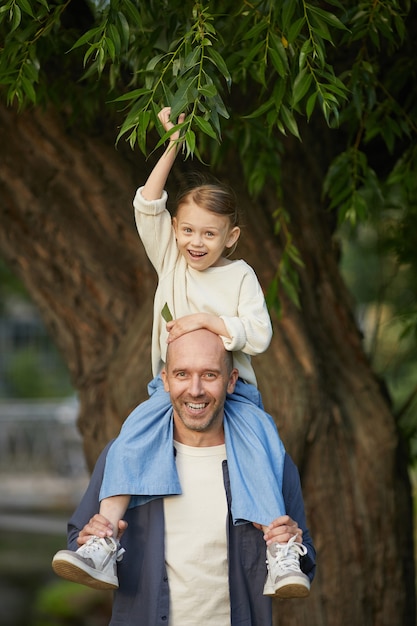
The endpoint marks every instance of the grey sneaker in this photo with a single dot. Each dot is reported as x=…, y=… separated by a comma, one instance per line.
x=93, y=564
x=285, y=578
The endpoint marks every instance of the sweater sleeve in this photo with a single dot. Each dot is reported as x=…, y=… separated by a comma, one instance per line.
x=294, y=504
x=251, y=330
x=154, y=225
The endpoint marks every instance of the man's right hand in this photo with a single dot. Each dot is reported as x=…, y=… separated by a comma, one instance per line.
x=99, y=526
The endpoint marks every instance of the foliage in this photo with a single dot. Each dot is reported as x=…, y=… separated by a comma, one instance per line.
x=350, y=61
x=69, y=603
x=246, y=73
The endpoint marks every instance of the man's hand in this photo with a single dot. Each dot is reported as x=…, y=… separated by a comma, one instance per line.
x=281, y=530
x=99, y=526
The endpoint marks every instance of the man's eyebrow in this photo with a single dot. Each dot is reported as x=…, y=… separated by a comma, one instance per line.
x=214, y=370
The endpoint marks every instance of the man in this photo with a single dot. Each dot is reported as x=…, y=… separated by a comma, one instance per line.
x=185, y=563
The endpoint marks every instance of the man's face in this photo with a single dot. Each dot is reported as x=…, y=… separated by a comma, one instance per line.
x=197, y=378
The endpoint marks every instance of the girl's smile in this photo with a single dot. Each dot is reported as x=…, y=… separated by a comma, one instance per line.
x=202, y=236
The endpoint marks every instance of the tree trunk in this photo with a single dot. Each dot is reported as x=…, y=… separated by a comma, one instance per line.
x=69, y=234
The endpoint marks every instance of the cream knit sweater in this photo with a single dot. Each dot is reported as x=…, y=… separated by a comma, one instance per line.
x=231, y=291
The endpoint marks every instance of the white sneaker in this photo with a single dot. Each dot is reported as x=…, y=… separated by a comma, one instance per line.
x=93, y=564
x=285, y=578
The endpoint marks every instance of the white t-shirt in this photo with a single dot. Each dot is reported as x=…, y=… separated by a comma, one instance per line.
x=196, y=540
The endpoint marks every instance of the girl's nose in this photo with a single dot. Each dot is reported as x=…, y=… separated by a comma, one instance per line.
x=197, y=240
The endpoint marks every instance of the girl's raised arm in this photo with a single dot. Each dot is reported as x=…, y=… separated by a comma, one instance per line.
x=154, y=186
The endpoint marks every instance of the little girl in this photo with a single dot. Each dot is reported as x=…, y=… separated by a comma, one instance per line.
x=198, y=287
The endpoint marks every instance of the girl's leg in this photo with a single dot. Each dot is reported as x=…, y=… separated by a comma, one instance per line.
x=141, y=462
x=113, y=509
x=252, y=441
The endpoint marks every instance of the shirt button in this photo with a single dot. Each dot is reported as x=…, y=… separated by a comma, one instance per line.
x=165, y=579
x=163, y=618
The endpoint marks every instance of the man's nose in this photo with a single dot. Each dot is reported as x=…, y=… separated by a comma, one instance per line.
x=196, y=387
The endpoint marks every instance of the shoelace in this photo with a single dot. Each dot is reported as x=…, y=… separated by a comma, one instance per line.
x=288, y=554
x=120, y=554
x=94, y=544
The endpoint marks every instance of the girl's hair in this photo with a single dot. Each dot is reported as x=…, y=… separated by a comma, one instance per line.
x=212, y=195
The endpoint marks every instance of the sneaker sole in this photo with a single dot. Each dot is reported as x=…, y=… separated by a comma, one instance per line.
x=82, y=574
x=287, y=590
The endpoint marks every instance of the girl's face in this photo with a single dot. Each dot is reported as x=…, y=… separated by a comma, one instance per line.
x=202, y=236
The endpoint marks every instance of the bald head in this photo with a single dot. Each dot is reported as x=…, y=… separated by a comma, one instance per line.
x=200, y=343
x=198, y=375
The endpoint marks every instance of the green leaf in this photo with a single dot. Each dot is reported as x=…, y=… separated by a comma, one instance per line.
x=143, y=123
x=205, y=127
x=209, y=91
x=110, y=48
x=330, y=18
x=26, y=7
x=261, y=110
x=218, y=61
x=132, y=95
x=278, y=55
x=185, y=94
x=16, y=17
x=288, y=13
x=114, y=36
x=154, y=62
x=190, y=142
x=166, y=313
x=305, y=52
x=301, y=86
x=28, y=89
x=130, y=9
x=289, y=121
x=295, y=29
x=256, y=30
x=89, y=36
x=310, y=104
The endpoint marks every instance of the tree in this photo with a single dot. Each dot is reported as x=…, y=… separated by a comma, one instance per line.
x=308, y=109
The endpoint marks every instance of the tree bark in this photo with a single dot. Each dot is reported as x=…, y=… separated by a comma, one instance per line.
x=68, y=232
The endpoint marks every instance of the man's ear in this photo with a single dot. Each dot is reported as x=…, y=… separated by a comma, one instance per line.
x=234, y=375
x=164, y=377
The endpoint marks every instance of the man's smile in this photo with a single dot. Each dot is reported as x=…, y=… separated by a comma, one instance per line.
x=196, y=406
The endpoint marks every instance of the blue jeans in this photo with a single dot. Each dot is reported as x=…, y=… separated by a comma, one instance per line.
x=141, y=461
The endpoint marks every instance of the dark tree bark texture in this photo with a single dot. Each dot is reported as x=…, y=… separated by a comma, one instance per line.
x=67, y=230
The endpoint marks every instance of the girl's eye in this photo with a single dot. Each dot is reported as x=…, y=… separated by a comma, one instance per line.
x=187, y=230
x=209, y=234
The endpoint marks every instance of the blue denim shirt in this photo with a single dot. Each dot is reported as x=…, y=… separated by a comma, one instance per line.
x=143, y=595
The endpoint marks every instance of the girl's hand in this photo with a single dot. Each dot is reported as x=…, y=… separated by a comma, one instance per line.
x=184, y=325
x=195, y=321
x=164, y=118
